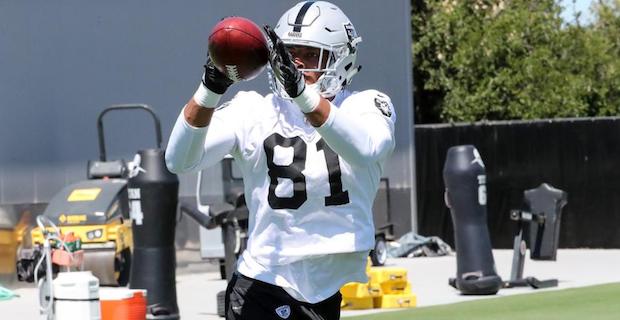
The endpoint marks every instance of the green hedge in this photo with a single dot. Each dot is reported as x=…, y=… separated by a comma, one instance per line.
x=503, y=59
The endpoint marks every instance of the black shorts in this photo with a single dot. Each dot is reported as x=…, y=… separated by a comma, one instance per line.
x=248, y=298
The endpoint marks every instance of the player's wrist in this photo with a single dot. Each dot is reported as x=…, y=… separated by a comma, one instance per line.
x=308, y=100
x=205, y=97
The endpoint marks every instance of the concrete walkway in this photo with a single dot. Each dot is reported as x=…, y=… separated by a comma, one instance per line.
x=199, y=282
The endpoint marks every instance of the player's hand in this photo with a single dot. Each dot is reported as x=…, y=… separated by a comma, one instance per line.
x=215, y=80
x=283, y=66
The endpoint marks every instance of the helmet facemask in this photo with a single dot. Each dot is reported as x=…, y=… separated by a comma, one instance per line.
x=336, y=73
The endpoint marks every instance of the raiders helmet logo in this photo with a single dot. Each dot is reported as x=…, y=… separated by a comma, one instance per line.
x=382, y=103
x=351, y=33
x=283, y=311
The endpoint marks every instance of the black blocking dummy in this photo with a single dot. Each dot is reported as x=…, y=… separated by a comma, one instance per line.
x=154, y=252
x=465, y=180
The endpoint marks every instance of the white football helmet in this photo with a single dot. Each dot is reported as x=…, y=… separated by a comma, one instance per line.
x=322, y=25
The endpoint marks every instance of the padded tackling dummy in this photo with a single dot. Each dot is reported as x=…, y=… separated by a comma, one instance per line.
x=154, y=260
x=465, y=180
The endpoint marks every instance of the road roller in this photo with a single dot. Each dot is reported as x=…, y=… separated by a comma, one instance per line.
x=96, y=212
x=94, y=217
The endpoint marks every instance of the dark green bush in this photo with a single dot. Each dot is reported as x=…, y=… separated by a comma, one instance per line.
x=498, y=60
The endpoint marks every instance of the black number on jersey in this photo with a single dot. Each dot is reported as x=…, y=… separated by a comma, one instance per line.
x=337, y=195
x=294, y=172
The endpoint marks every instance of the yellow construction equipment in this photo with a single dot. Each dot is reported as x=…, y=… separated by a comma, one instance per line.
x=11, y=237
x=95, y=212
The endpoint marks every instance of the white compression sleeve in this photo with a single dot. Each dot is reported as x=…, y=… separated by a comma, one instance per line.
x=185, y=146
x=360, y=142
x=190, y=148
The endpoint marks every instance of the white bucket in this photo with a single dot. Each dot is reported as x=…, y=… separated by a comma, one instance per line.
x=76, y=296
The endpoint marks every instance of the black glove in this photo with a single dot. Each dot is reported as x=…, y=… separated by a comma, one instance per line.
x=283, y=67
x=215, y=80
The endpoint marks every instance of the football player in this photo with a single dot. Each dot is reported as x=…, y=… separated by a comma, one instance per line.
x=311, y=154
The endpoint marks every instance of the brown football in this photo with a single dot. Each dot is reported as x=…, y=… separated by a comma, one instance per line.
x=238, y=48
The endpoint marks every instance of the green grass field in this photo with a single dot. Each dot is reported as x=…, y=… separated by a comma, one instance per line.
x=600, y=302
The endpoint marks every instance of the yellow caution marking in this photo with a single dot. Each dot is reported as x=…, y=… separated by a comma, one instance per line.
x=89, y=194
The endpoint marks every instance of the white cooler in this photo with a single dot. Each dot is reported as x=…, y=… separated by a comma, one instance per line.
x=76, y=296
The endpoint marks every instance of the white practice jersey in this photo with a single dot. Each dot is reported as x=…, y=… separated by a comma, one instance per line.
x=309, y=190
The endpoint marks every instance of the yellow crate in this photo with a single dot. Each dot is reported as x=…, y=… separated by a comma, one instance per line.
x=359, y=290
x=354, y=290
x=396, y=287
x=389, y=301
x=374, y=290
x=379, y=275
x=350, y=303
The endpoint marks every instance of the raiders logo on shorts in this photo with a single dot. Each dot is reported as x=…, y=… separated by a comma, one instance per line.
x=283, y=311
x=382, y=103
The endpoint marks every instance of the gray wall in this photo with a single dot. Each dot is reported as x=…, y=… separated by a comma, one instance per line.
x=62, y=61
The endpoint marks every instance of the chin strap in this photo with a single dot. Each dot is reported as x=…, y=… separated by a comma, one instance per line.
x=352, y=73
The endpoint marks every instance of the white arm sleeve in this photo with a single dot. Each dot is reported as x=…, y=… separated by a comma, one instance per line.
x=192, y=149
x=360, y=133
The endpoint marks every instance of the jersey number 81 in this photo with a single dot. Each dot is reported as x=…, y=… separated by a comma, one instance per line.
x=294, y=170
